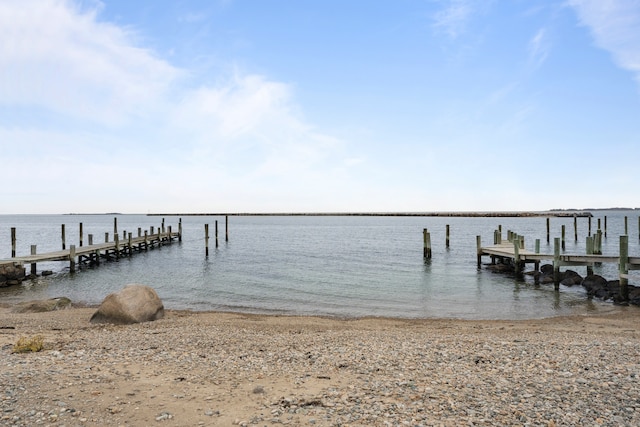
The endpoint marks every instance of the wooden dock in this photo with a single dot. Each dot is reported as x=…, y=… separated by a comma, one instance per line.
x=512, y=251
x=93, y=254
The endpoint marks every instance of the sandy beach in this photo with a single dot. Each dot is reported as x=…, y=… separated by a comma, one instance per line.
x=210, y=369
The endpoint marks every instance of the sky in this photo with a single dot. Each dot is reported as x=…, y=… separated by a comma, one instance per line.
x=318, y=106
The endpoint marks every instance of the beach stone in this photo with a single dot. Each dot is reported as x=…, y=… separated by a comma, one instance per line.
x=11, y=275
x=42, y=306
x=132, y=304
x=571, y=278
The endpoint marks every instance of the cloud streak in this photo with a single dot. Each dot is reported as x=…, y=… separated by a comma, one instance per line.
x=614, y=27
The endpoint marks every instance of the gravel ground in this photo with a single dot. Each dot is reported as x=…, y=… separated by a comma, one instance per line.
x=228, y=369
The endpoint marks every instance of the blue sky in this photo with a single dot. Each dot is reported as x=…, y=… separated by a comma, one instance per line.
x=318, y=106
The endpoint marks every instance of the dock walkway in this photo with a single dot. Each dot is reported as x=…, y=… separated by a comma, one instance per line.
x=94, y=253
x=512, y=251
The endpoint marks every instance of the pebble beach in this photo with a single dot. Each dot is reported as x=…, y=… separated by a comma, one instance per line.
x=232, y=369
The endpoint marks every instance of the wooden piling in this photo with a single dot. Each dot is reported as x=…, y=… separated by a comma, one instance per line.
x=129, y=245
x=81, y=237
x=33, y=264
x=624, y=268
x=563, y=234
x=556, y=263
x=139, y=232
x=116, y=242
x=90, y=239
x=106, y=237
x=226, y=228
x=575, y=228
x=115, y=226
x=72, y=258
x=589, y=244
x=548, y=229
x=146, y=240
x=64, y=245
x=478, y=251
x=605, y=226
x=206, y=240
x=517, y=264
x=589, y=232
x=626, y=226
x=426, y=251
x=447, y=237
x=180, y=230
x=216, y=233
x=537, y=263
x=13, y=242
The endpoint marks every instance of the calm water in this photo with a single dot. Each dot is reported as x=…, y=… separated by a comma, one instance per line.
x=335, y=266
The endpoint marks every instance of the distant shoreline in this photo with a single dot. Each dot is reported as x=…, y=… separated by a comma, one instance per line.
x=567, y=213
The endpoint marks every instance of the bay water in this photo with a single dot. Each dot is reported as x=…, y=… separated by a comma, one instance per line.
x=339, y=266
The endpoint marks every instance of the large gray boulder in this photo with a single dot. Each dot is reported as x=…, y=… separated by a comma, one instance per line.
x=132, y=304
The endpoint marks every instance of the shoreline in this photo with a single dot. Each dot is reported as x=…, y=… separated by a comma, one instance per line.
x=218, y=368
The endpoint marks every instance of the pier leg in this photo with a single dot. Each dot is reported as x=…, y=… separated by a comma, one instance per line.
x=216, y=233
x=129, y=245
x=33, y=264
x=516, y=257
x=180, y=230
x=72, y=258
x=81, y=236
x=589, y=244
x=447, y=237
x=548, y=229
x=575, y=228
x=64, y=245
x=206, y=240
x=556, y=263
x=537, y=263
x=479, y=252
x=563, y=234
x=624, y=268
x=13, y=242
x=226, y=228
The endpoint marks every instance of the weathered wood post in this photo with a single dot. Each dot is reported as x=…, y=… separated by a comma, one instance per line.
x=106, y=237
x=563, y=233
x=605, y=226
x=33, y=264
x=170, y=236
x=226, y=228
x=575, y=228
x=589, y=244
x=139, y=231
x=180, y=230
x=162, y=225
x=597, y=247
x=479, y=251
x=426, y=250
x=536, y=264
x=599, y=228
x=626, y=226
x=115, y=226
x=64, y=244
x=206, y=240
x=146, y=240
x=556, y=263
x=516, y=257
x=72, y=258
x=216, y=233
x=589, y=233
x=447, y=237
x=548, y=229
x=623, y=266
x=90, y=239
x=116, y=243
x=81, y=237
x=129, y=245
x=13, y=242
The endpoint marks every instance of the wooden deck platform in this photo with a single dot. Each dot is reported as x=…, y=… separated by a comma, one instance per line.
x=512, y=251
x=93, y=254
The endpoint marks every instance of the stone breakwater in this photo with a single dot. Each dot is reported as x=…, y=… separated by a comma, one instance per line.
x=233, y=369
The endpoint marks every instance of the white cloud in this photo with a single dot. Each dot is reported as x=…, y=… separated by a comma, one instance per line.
x=614, y=25
x=57, y=57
